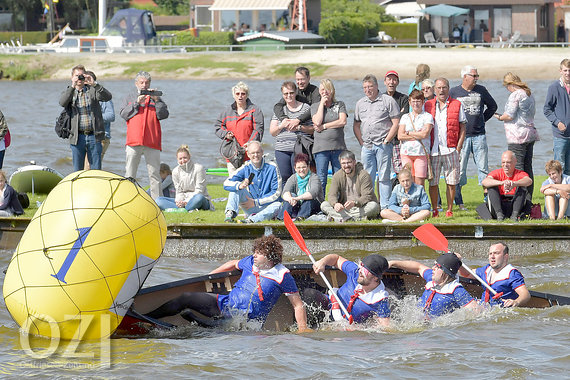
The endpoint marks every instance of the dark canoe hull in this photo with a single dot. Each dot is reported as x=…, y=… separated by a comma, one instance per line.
x=397, y=282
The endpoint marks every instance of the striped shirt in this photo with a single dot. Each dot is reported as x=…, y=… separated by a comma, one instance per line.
x=285, y=140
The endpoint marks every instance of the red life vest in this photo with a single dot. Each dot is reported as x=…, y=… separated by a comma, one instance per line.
x=453, y=108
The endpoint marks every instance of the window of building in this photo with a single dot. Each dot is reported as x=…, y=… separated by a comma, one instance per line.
x=203, y=16
x=543, y=21
x=502, y=22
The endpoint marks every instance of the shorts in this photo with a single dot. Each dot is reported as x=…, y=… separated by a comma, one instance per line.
x=418, y=163
x=451, y=170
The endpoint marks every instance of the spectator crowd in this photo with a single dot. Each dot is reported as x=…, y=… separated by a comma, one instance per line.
x=409, y=143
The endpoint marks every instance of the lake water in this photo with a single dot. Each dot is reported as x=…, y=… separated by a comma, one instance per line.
x=32, y=107
x=501, y=343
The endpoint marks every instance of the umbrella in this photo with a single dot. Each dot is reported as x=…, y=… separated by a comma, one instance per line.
x=444, y=10
x=408, y=20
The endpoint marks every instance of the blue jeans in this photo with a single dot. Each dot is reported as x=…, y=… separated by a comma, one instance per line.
x=476, y=145
x=379, y=159
x=256, y=213
x=300, y=210
x=285, y=164
x=86, y=144
x=322, y=160
x=197, y=202
x=562, y=153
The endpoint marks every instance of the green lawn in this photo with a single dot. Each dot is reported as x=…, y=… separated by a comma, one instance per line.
x=472, y=196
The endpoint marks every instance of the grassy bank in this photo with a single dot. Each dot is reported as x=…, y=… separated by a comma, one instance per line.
x=472, y=196
x=118, y=66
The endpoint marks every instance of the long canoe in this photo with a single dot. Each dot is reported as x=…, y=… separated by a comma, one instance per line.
x=397, y=282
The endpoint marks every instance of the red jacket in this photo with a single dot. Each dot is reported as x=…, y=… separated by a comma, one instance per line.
x=246, y=127
x=453, y=108
x=143, y=125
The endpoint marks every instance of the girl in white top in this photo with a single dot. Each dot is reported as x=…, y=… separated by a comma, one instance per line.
x=190, y=182
x=414, y=135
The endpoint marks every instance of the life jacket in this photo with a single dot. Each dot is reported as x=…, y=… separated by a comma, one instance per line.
x=453, y=108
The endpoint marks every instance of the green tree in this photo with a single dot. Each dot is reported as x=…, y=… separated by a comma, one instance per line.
x=173, y=7
x=351, y=21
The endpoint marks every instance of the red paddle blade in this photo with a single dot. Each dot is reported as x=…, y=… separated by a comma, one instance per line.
x=432, y=237
x=295, y=234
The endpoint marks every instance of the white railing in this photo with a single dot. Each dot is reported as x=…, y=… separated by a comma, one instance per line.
x=16, y=48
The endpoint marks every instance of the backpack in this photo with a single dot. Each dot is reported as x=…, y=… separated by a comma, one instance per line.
x=63, y=123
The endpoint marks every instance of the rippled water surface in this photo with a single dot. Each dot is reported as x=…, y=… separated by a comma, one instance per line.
x=500, y=343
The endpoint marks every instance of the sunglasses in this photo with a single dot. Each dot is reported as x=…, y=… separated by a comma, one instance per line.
x=474, y=76
x=437, y=265
x=365, y=272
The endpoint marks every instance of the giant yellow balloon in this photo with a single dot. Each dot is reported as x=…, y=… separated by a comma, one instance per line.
x=83, y=257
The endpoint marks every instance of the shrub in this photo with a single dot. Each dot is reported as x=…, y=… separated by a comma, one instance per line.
x=26, y=37
x=349, y=28
x=400, y=31
x=204, y=38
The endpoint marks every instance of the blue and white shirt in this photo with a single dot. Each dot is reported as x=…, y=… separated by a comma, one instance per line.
x=445, y=299
x=244, y=297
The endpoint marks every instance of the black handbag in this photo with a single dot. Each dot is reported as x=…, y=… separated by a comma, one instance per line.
x=233, y=152
x=63, y=123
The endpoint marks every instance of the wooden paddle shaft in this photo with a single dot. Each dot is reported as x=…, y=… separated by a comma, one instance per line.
x=479, y=279
x=325, y=279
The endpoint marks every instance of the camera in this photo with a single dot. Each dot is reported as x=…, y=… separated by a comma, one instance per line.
x=150, y=92
x=81, y=77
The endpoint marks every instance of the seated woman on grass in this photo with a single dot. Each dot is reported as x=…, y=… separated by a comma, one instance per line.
x=303, y=192
x=408, y=202
x=190, y=182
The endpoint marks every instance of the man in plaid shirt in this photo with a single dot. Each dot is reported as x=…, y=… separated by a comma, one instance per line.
x=87, y=129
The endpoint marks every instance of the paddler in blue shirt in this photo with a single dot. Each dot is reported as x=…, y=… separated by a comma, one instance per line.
x=503, y=277
x=443, y=293
x=363, y=294
x=262, y=282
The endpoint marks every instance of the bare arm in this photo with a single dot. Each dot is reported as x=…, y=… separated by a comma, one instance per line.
x=521, y=300
x=393, y=130
x=408, y=266
x=503, y=117
x=319, y=116
x=357, y=132
x=557, y=188
x=275, y=127
x=331, y=259
x=525, y=181
x=230, y=265
x=300, y=312
x=383, y=322
x=462, y=132
x=491, y=182
x=338, y=123
x=474, y=306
